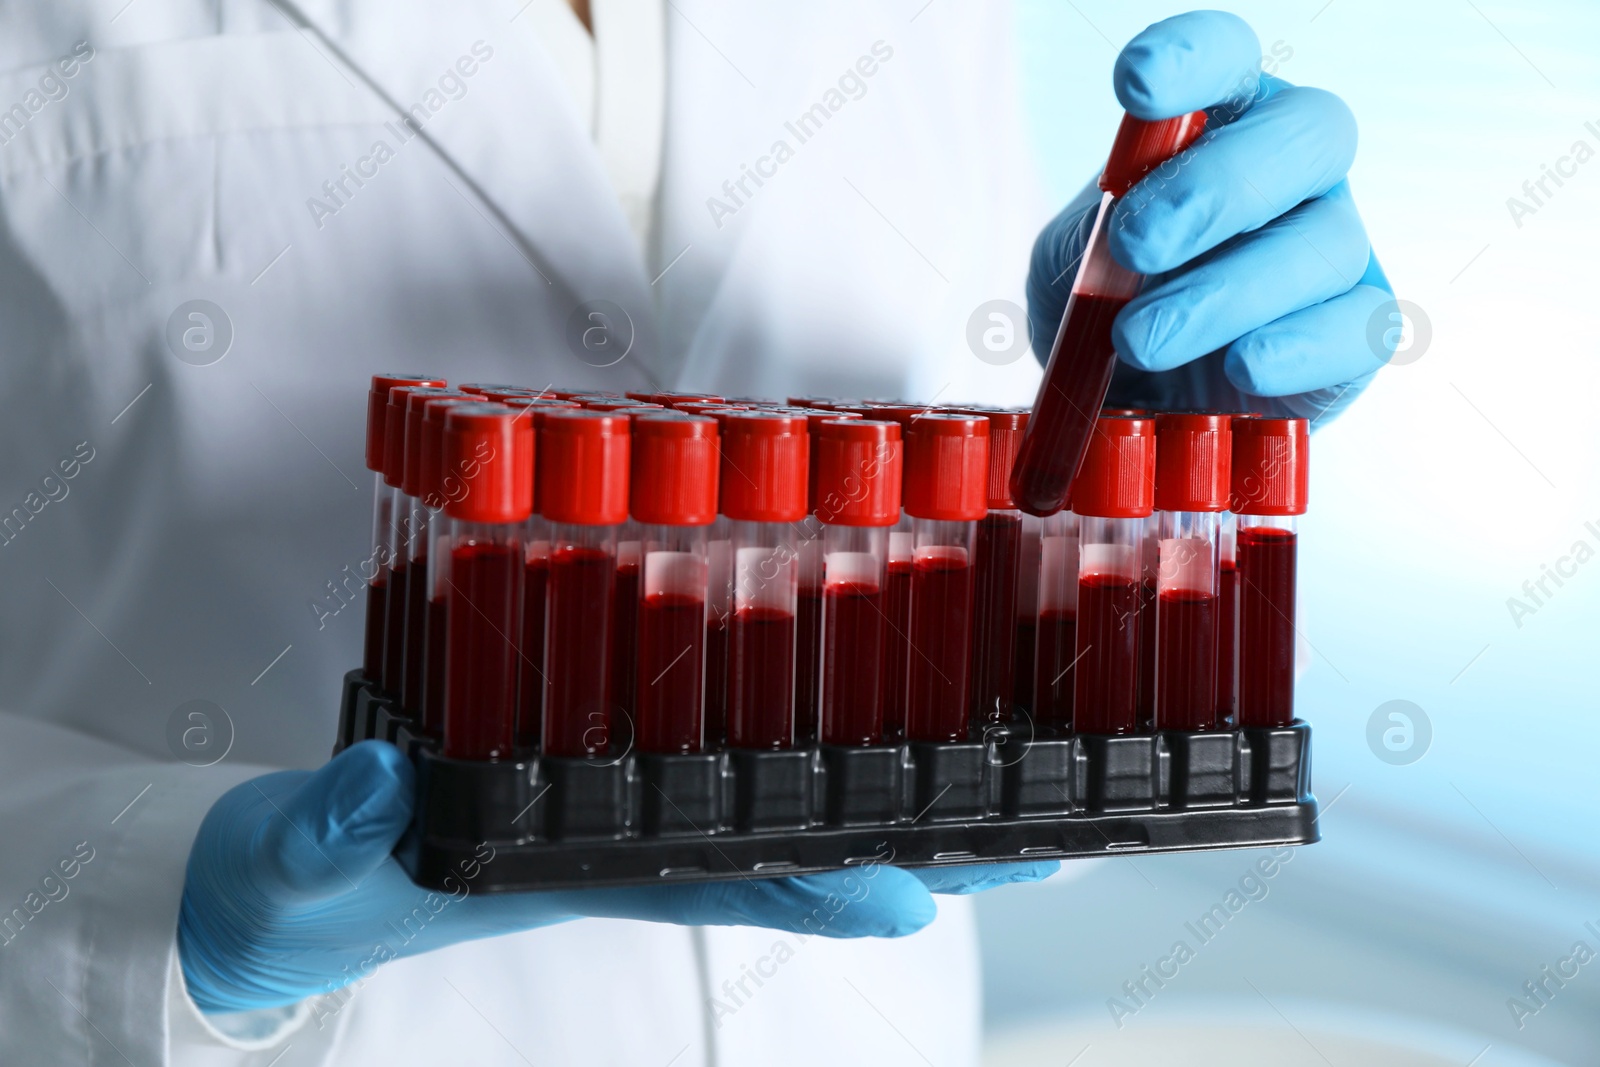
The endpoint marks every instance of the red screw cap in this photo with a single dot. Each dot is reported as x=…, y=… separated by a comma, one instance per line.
x=766, y=461
x=431, y=470
x=583, y=467
x=947, y=467
x=1142, y=145
x=674, y=470
x=888, y=409
x=394, y=429
x=1117, y=479
x=815, y=417
x=1193, y=460
x=1006, y=426
x=1271, y=466
x=534, y=408
x=858, y=472
x=415, y=401
x=491, y=451
x=378, y=408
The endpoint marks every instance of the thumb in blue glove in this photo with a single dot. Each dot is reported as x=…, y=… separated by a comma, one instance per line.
x=291, y=890
x=1261, y=279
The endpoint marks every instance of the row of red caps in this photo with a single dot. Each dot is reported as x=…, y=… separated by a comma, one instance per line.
x=684, y=458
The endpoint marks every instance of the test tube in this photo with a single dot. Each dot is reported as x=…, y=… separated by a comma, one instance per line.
x=1228, y=611
x=858, y=499
x=946, y=493
x=808, y=611
x=407, y=515
x=997, y=564
x=719, y=605
x=719, y=622
x=535, y=583
x=439, y=485
x=1270, y=481
x=1082, y=358
x=383, y=514
x=897, y=587
x=1030, y=548
x=1192, y=470
x=1227, y=619
x=583, y=474
x=423, y=529
x=674, y=500
x=1056, y=594
x=630, y=548
x=765, y=463
x=493, y=452
x=1112, y=497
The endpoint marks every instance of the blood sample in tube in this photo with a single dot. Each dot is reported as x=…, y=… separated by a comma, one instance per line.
x=765, y=469
x=494, y=451
x=1270, y=482
x=858, y=499
x=674, y=500
x=997, y=560
x=1112, y=496
x=1193, y=455
x=1082, y=358
x=583, y=477
x=946, y=491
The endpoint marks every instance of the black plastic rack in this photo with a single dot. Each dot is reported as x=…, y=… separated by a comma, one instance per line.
x=639, y=819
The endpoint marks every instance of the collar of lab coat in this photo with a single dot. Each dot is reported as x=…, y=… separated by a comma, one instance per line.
x=541, y=184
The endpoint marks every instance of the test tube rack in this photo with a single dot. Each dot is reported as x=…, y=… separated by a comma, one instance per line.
x=642, y=819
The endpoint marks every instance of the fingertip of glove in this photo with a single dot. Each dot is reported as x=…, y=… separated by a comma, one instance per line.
x=1187, y=62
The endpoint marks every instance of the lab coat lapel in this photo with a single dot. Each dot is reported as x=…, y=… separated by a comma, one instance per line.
x=541, y=179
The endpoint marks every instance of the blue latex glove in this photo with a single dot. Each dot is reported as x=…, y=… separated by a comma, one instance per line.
x=1261, y=279
x=292, y=891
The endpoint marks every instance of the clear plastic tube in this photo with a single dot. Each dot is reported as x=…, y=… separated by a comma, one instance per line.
x=1056, y=594
x=625, y=625
x=483, y=643
x=997, y=556
x=719, y=618
x=1227, y=619
x=1186, y=621
x=577, y=646
x=854, y=561
x=1149, y=564
x=808, y=629
x=394, y=621
x=378, y=584
x=1076, y=377
x=1268, y=551
x=761, y=679
x=897, y=629
x=940, y=632
x=671, y=651
x=1027, y=621
x=1108, y=625
x=418, y=539
x=436, y=630
x=535, y=590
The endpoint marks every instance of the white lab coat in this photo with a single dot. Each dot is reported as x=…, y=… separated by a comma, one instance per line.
x=211, y=509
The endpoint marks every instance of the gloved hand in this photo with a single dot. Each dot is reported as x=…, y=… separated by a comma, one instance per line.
x=1261, y=279
x=292, y=891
